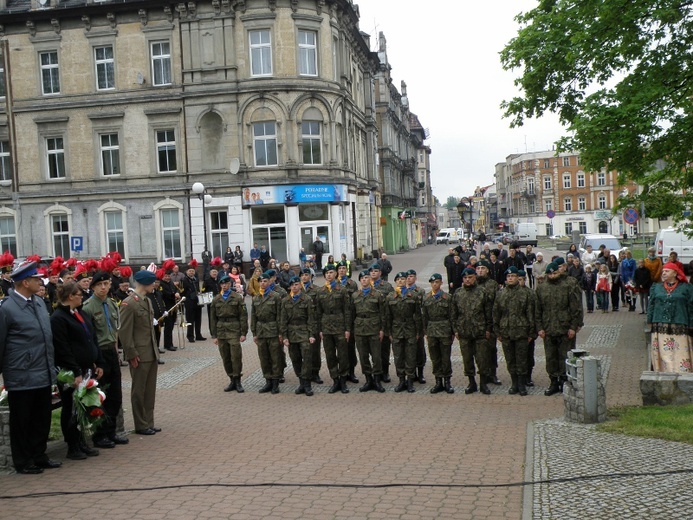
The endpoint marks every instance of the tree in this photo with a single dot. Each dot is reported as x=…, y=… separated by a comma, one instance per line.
x=452, y=202
x=619, y=75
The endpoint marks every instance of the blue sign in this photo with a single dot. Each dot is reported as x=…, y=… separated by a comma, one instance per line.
x=76, y=243
x=631, y=216
x=551, y=213
x=294, y=194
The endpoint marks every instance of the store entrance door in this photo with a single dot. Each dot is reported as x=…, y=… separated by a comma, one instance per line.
x=308, y=234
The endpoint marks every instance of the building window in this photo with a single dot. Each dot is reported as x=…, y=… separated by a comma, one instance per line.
x=582, y=204
x=166, y=151
x=265, y=143
x=219, y=225
x=568, y=228
x=61, y=235
x=549, y=230
x=115, y=234
x=269, y=229
x=580, y=180
x=307, y=53
x=260, y=53
x=566, y=181
x=530, y=185
x=547, y=182
x=566, y=161
x=310, y=134
x=601, y=201
x=161, y=63
x=105, y=68
x=547, y=163
x=583, y=227
x=50, y=73
x=601, y=179
x=55, y=156
x=2, y=81
x=5, y=162
x=548, y=204
x=568, y=204
x=532, y=206
x=110, y=154
x=8, y=235
x=170, y=233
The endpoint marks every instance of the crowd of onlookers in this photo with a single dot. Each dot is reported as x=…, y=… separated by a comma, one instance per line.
x=612, y=280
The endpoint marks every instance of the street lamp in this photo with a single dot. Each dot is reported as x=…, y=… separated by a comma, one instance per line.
x=466, y=206
x=199, y=189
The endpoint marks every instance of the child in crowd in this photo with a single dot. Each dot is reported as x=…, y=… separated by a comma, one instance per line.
x=603, y=288
x=588, y=283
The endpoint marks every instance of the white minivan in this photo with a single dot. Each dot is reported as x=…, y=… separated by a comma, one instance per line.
x=674, y=239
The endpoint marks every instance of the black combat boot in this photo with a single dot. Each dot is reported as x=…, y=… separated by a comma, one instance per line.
x=521, y=388
x=513, y=387
x=420, y=375
x=386, y=376
x=553, y=387
x=471, y=387
x=308, y=389
x=439, y=386
x=448, y=387
x=336, y=386
x=483, y=385
x=561, y=382
x=231, y=386
x=494, y=379
x=402, y=384
x=316, y=379
x=239, y=386
x=301, y=387
x=377, y=385
x=410, y=385
x=275, y=386
x=528, y=378
x=352, y=377
x=343, y=384
x=368, y=385
x=267, y=387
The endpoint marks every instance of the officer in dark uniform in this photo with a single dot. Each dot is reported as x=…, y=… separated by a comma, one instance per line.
x=264, y=323
x=368, y=313
x=437, y=321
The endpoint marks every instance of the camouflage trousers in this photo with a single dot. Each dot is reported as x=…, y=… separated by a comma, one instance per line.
x=440, y=350
x=231, y=355
x=515, y=351
x=301, y=354
x=476, y=349
x=272, y=358
x=556, y=350
x=369, y=354
x=336, y=354
x=405, y=356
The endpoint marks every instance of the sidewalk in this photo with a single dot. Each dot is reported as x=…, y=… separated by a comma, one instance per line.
x=435, y=456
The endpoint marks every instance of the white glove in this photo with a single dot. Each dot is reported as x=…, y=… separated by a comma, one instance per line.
x=155, y=322
x=165, y=314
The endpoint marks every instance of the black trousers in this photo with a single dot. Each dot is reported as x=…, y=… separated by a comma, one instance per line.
x=193, y=315
x=111, y=384
x=30, y=424
x=169, y=324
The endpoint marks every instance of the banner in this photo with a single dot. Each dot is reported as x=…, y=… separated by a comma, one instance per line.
x=295, y=194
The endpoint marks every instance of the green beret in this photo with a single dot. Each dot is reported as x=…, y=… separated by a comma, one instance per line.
x=294, y=279
x=559, y=261
x=511, y=270
x=521, y=273
x=363, y=273
x=271, y=272
x=225, y=279
x=330, y=267
x=435, y=276
x=483, y=263
x=374, y=267
x=265, y=276
x=551, y=268
x=411, y=272
x=305, y=270
x=145, y=277
x=341, y=263
x=468, y=272
x=401, y=274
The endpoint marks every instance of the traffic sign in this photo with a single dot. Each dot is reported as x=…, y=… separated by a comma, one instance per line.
x=551, y=213
x=631, y=216
x=76, y=243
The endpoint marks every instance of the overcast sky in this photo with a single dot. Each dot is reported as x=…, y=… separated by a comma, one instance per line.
x=446, y=51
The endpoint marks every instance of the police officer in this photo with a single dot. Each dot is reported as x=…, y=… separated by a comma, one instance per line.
x=298, y=330
x=264, y=324
x=383, y=287
x=437, y=322
x=420, y=344
x=558, y=313
x=368, y=313
x=333, y=311
x=404, y=326
x=472, y=315
x=513, y=323
x=229, y=328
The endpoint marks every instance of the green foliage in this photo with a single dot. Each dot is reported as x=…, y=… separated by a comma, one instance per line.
x=672, y=423
x=452, y=202
x=618, y=74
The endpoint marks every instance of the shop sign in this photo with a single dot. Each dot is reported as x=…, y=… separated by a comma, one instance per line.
x=294, y=194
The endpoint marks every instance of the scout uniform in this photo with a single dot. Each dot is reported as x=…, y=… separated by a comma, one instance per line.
x=436, y=312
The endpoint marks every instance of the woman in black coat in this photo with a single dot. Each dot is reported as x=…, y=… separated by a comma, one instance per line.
x=76, y=350
x=228, y=256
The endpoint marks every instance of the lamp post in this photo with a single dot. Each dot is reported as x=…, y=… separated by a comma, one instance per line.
x=199, y=189
x=466, y=205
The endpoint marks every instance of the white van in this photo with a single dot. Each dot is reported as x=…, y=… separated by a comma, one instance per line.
x=526, y=234
x=447, y=236
x=673, y=239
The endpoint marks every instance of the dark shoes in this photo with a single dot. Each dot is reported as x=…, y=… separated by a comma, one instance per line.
x=105, y=443
x=117, y=439
x=386, y=377
x=146, y=431
x=171, y=349
x=161, y=361
x=200, y=338
x=231, y=386
x=316, y=380
x=48, y=464
x=191, y=340
x=29, y=470
x=471, y=387
x=76, y=454
x=420, y=375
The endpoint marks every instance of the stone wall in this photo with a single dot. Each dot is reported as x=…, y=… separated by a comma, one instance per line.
x=585, y=400
x=666, y=388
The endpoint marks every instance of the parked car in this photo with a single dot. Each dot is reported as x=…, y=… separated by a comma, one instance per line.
x=676, y=240
x=558, y=237
x=596, y=239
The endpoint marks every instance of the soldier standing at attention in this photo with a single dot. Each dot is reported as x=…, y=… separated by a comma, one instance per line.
x=264, y=323
x=298, y=330
x=472, y=317
x=333, y=311
x=311, y=290
x=522, y=276
x=367, y=310
x=229, y=327
x=193, y=311
x=344, y=279
x=558, y=317
x=404, y=327
x=140, y=349
x=483, y=269
x=577, y=290
x=513, y=323
x=383, y=287
x=420, y=344
x=437, y=312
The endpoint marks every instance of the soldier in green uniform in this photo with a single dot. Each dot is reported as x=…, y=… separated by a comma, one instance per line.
x=558, y=317
x=437, y=316
x=282, y=294
x=367, y=311
x=297, y=327
x=264, y=324
x=404, y=326
x=333, y=309
x=311, y=290
x=575, y=286
x=472, y=317
x=229, y=327
x=522, y=275
x=513, y=323
x=344, y=279
x=483, y=269
x=420, y=344
x=383, y=287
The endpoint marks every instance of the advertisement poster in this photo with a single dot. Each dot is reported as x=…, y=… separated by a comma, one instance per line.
x=294, y=194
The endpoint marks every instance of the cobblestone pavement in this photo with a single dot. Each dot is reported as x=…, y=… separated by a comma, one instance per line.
x=361, y=455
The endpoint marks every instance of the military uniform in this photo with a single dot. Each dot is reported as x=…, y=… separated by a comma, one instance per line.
x=437, y=316
x=420, y=343
x=351, y=286
x=297, y=326
x=312, y=291
x=384, y=287
x=491, y=288
x=333, y=310
x=264, y=324
x=404, y=326
x=368, y=312
x=228, y=322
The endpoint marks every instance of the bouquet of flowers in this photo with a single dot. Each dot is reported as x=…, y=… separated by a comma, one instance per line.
x=86, y=401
